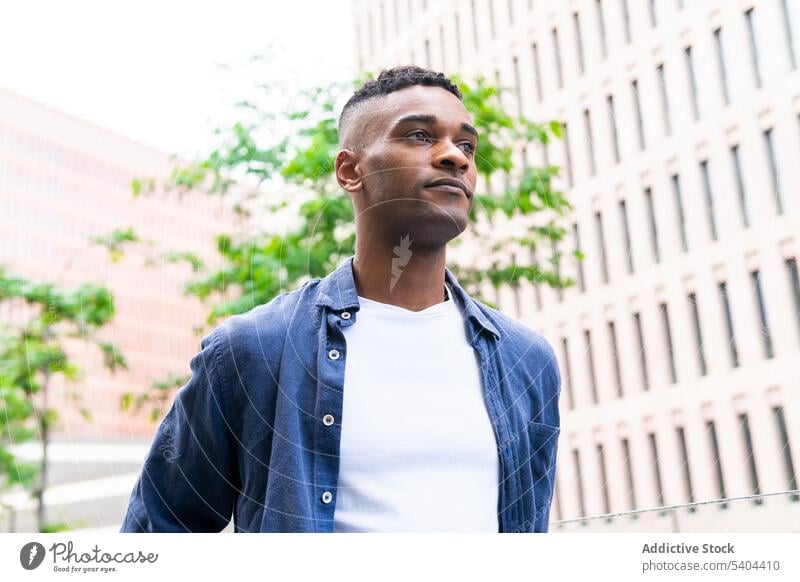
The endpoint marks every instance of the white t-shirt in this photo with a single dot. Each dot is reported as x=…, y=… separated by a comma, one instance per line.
x=418, y=452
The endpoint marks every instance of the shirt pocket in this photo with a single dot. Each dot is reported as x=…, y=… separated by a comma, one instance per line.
x=542, y=443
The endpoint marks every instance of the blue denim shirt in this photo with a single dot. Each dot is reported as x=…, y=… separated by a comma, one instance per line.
x=245, y=436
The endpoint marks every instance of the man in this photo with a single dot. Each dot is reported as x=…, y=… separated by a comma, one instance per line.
x=381, y=397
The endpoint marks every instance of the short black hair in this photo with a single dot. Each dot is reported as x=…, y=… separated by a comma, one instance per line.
x=394, y=79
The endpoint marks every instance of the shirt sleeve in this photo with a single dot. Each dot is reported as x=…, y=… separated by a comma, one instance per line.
x=187, y=483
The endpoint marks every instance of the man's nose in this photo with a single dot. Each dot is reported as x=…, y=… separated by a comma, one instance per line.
x=451, y=156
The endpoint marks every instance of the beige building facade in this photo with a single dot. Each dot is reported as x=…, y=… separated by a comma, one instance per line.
x=62, y=181
x=679, y=344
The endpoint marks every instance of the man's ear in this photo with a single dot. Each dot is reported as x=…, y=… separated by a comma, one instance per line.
x=348, y=171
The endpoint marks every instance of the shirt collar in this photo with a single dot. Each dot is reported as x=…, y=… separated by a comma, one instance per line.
x=337, y=291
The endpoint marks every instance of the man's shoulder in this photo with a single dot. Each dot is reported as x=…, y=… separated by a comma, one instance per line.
x=268, y=323
x=515, y=334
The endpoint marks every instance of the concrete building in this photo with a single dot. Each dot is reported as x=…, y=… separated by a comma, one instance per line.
x=679, y=345
x=62, y=181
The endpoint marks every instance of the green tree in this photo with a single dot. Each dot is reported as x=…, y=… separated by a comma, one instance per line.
x=298, y=157
x=278, y=160
x=31, y=356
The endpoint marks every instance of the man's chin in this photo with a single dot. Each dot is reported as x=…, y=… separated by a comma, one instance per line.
x=445, y=225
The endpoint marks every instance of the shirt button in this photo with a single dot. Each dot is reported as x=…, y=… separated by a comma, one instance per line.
x=327, y=420
x=333, y=354
x=345, y=315
x=327, y=497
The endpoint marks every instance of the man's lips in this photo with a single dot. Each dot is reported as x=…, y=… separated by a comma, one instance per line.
x=451, y=185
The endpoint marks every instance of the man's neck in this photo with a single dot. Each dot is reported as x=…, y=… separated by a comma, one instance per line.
x=401, y=275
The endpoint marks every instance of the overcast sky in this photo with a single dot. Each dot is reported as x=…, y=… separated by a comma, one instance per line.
x=150, y=69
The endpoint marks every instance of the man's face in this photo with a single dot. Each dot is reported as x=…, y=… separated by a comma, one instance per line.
x=417, y=165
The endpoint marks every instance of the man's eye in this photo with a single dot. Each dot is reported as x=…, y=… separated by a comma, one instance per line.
x=419, y=134
x=468, y=147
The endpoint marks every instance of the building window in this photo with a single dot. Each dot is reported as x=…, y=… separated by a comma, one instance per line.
x=442, y=47
x=744, y=200
x=576, y=235
x=459, y=54
x=794, y=284
x=601, y=243
x=676, y=190
x=637, y=111
x=662, y=87
x=579, y=481
x=568, y=372
x=687, y=473
x=723, y=72
x=537, y=71
x=626, y=452
x=772, y=163
x=673, y=374
x=601, y=461
x=652, y=12
x=492, y=25
x=517, y=84
x=396, y=12
x=726, y=311
x=537, y=292
x=709, y=197
x=626, y=19
x=587, y=336
x=753, y=41
x=559, y=514
x=786, y=452
x=555, y=254
x=766, y=335
x=576, y=21
x=359, y=49
x=637, y=326
x=517, y=298
x=612, y=341
x=612, y=123
x=511, y=11
x=474, y=11
x=791, y=41
x=383, y=23
x=687, y=53
x=428, y=53
x=750, y=459
x=568, y=156
x=651, y=437
x=716, y=459
x=587, y=127
x=557, y=59
x=698, y=334
x=626, y=235
x=601, y=28
x=651, y=217
x=371, y=33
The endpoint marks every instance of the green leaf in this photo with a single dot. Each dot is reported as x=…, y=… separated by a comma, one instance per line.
x=125, y=401
x=112, y=358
